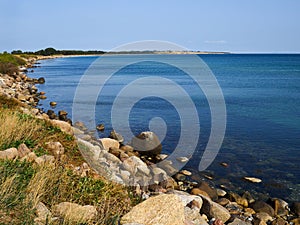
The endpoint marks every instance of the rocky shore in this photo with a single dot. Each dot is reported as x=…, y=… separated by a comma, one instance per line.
x=169, y=196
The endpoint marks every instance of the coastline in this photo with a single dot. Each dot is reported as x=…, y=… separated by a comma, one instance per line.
x=113, y=154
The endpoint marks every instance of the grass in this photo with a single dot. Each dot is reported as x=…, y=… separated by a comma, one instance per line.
x=23, y=184
x=9, y=63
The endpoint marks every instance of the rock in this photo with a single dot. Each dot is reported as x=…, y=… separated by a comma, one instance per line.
x=164, y=209
x=162, y=156
x=109, y=143
x=180, y=177
x=224, y=164
x=23, y=150
x=249, y=211
x=80, y=125
x=45, y=159
x=217, y=222
x=115, y=151
x=100, y=127
x=77, y=131
x=296, y=208
x=41, y=80
x=56, y=148
x=238, y=221
x=51, y=114
x=280, y=207
x=64, y=126
x=10, y=153
x=53, y=104
x=253, y=179
x=262, y=216
x=118, y=137
x=193, y=216
x=112, y=158
x=197, y=191
x=223, y=201
x=296, y=221
x=166, y=165
x=140, y=165
x=30, y=157
x=248, y=196
x=126, y=148
x=182, y=159
x=123, y=156
x=260, y=206
x=186, y=172
x=62, y=115
x=204, y=186
x=75, y=212
x=238, y=199
x=192, y=201
x=43, y=213
x=220, y=192
x=279, y=221
x=42, y=97
x=214, y=210
x=147, y=143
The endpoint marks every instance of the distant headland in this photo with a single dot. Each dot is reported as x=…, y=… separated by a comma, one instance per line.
x=52, y=51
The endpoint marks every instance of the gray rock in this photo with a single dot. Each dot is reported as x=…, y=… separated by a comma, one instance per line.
x=44, y=159
x=109, y=143
x=147, y=143
x=56, y=148
x=238, y=221
x=43, y=213
x=260, y=206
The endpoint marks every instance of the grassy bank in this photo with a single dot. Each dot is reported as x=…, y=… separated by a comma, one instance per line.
x=23, y=185
x=9, y=63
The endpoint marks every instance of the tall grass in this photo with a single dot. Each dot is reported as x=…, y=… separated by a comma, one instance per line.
x=9, y=63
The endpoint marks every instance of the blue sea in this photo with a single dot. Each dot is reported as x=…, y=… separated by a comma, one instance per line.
x=261, y=94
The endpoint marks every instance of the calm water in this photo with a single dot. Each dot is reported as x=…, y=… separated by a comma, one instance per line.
x=262, y=95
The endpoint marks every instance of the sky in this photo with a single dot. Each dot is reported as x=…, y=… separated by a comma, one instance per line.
x=207, y=25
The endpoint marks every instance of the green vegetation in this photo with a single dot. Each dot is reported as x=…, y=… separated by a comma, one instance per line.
x=9, y=63
x=52, y=51
x=23, y=185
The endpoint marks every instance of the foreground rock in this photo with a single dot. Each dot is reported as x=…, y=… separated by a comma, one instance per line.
x=160, y=210
x=75, y=213
x=10, y=153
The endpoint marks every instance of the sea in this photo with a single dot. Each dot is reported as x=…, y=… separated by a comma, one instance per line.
x=250, y=103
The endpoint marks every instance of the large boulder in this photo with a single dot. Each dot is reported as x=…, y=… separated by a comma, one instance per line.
x=147, y=143
x=262, y=207
x=109, y=143
x=164, y=209
x=23, y=150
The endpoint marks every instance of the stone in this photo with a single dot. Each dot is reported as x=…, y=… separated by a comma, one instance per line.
x=180, y=177
x=193, y=216
x=166, y=165
x=30, y=157
x=249, y=211
x=238, y=221
x=75, y=212
x=186, y=172
x=140, y=165
x=147, y=143
x=42, y=97
x=217, y=222
x=56, y=148
x=224, y=164
x=41, y=80
x=53, y=104
x=164, y=209
x=162, y=156
x=109, y=143
x=262, y=216
x=192, y=201
x=51, y=114
x=214, y=210
x=280, y=207
x=23, y=150
x=43, y=213
x=126, y=148
x=221, y=192
x=112, y=158
x=197, y=191
x=100, y=127
x=296, y=221
x=204, y=186
x=44, y=159
x=238, y=199
x=253, y=179
x=64, y=126
x=118, y=137
x=279, y=221
x=296, y=208
x=123, y=156
x=115, y=151
x=260, y=206
x=10, y=153
x=182, y=159
x=248, y=196
x=223, y=201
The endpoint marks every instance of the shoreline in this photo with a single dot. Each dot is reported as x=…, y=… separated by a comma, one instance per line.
x=115, y=152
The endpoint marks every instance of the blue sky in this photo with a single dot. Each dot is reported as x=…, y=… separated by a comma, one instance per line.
x=211, y=25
